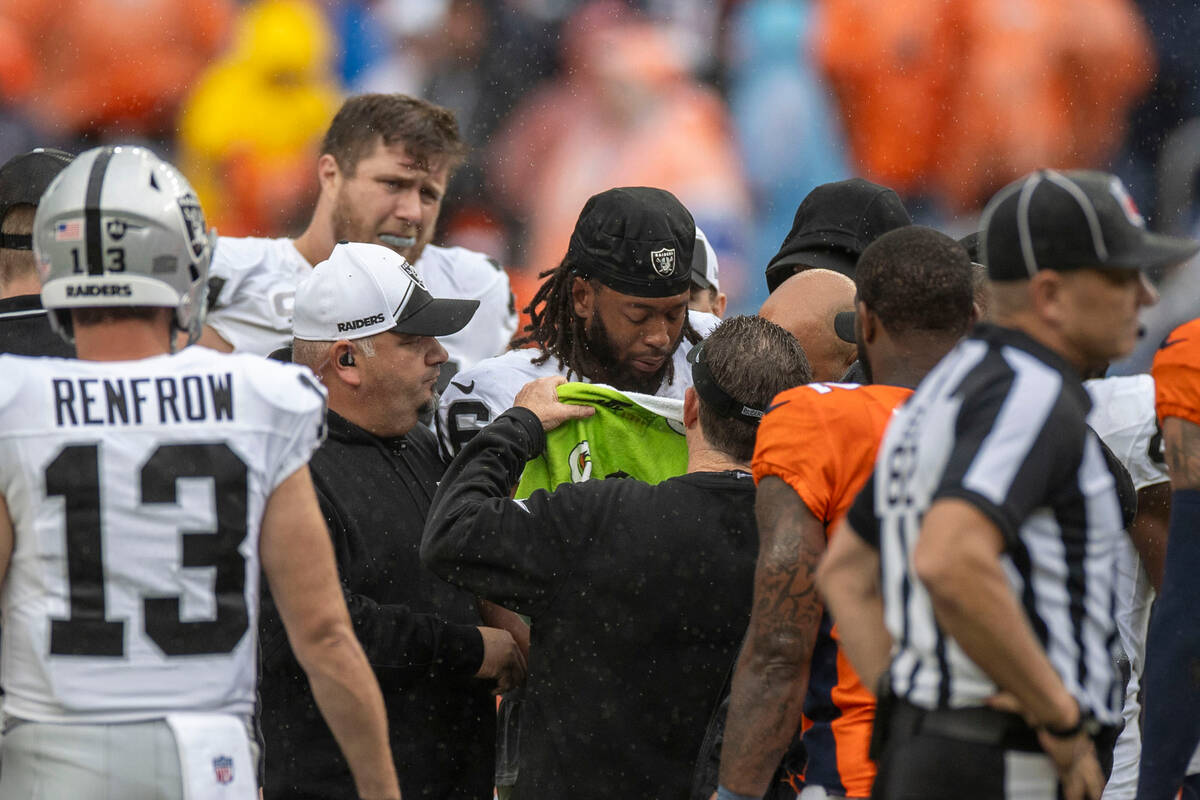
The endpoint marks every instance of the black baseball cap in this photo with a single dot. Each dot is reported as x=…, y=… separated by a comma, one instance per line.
x=833, y=225
x=635, y=240
x=1071, y=220
x=843, y=326
x=23, y=180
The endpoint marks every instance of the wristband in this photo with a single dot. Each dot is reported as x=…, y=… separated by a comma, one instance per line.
x=727, y=794
x=1084, y=722
x=1064, y=733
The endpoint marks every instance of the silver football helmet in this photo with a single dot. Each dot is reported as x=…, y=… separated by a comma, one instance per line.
x=122, y=227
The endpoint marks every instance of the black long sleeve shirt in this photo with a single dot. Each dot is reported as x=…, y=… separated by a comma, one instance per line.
x=639, y=596
x=419, y=633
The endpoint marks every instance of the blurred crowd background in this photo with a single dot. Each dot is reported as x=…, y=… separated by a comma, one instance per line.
x=739, y=107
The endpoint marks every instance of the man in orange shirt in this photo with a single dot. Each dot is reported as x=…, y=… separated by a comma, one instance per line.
x=815, y=449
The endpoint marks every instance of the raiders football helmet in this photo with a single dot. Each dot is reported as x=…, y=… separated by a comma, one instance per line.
x=122, y=227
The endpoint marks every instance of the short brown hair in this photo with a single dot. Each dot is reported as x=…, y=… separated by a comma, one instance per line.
x=429, y=132
x=753, y=360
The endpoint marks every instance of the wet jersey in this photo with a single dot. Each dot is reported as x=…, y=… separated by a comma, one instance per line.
x=136, y=491
x=821, y=438
x=478, y=395
x=252, y=290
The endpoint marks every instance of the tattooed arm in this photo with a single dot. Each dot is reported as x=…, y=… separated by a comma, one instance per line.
x=1181, y=441
x=772, y=670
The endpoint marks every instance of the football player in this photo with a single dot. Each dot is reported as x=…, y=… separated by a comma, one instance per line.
x=141, y=493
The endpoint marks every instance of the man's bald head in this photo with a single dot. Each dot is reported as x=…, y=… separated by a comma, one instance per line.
x=805, y=305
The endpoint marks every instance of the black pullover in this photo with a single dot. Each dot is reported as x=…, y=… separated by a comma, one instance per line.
x=639, y=596
x=418, y=632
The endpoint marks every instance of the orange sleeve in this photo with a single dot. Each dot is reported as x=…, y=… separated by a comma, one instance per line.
x=795, y=445
x=1176, y=374
x=822, y=440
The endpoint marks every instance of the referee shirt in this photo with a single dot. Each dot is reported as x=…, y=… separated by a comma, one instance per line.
x=1000, y=423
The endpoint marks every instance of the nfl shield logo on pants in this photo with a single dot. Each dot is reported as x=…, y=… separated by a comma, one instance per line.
x=223, y=769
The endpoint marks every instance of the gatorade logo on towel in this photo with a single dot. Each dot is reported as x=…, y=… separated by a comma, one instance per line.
x=580, y=461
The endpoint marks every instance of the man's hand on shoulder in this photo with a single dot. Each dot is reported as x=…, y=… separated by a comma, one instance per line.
x=541, y=397
x=502, y=659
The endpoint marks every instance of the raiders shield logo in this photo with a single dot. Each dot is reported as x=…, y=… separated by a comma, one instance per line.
x=193, y=221
x=663, y=261
x=412, y=273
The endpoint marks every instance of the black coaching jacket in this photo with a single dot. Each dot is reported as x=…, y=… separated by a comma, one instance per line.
x=419, y=633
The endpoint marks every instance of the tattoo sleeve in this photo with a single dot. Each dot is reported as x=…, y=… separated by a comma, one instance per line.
x=772, y=672
x=1181, y=441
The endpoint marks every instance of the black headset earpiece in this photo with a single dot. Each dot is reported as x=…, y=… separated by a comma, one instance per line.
x=346, y=359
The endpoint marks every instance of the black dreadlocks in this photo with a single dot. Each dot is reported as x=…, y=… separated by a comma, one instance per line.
x=556, y=330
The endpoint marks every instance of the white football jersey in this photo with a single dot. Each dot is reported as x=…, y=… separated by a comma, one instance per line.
x=252, y=290
x=136, y=491
x=476, y=396
x=1123, y=416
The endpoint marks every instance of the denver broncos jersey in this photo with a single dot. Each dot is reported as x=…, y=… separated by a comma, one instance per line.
x=136, y=491
x=1176, y=374
x=478, y=395
x=821, y=438
x=252, y=291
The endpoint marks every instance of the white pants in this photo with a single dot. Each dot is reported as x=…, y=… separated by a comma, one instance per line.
x=135, y=760
x=127, y=760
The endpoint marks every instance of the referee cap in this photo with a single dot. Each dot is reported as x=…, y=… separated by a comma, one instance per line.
x=636, y=240
x=365, y=289
x=1071, y=220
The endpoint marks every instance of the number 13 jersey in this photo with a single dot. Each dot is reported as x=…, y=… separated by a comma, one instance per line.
x=136, y=490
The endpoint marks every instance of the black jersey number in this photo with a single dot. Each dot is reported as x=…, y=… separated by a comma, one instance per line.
x=75, y=476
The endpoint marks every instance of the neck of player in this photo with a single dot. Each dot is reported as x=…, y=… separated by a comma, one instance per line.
x=703, y=457
x=122, y=340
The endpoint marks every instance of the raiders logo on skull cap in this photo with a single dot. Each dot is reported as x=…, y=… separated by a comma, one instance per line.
x=636, y=240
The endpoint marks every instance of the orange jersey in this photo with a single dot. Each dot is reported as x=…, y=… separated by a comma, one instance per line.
x=1176, y=374
x=821, y=439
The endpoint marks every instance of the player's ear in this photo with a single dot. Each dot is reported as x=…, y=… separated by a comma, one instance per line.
x=329, y=174
x=691, y=407
x=583, y=298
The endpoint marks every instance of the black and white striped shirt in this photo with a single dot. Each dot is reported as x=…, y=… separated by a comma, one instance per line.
x=1000, y=423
